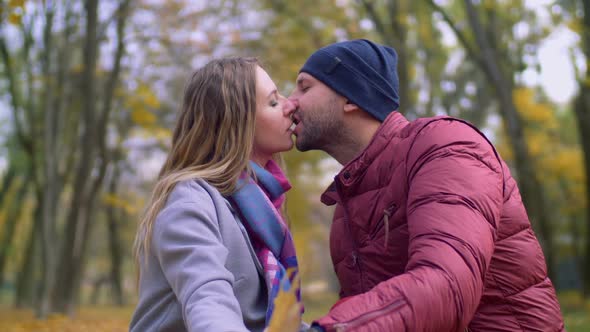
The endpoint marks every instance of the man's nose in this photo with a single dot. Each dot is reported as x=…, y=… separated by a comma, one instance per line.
x=290, y=106
x=293, y=97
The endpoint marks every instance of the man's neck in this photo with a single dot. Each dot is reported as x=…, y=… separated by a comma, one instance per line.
x=349, y=147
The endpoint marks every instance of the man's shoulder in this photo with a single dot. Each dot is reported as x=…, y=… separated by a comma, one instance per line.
x=443, y=128
x=453, y=135
x=443, y=120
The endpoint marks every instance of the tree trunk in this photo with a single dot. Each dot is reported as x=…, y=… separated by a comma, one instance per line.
x=96, y=287
x=113, y=220
x=530, y=187
x=12, y=217
x=68, y=268
x=396, y=36
x=25, y=292
x=82, y=210
x=26, y=289
x=50, y=193
x=575, y=232
x=64, y=122
x=582, y=111
x=78, y=261
x=486, y=58
x=7, y=180
x=398, y=10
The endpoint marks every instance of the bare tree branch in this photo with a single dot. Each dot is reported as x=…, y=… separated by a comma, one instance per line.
x=15, y=94
x=379, y=25
x=460, y=35
x=111, y=84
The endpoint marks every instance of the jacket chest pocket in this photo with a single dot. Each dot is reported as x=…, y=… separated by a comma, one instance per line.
x=383, y=224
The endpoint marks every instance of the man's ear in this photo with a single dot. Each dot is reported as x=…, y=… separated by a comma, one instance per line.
x=349, y=107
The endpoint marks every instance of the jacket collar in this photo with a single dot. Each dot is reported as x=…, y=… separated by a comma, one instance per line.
x=350, y=173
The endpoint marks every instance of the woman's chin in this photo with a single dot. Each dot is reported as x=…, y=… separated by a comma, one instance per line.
x=288, y=147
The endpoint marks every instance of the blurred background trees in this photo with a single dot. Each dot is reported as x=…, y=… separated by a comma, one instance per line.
x=89, y=91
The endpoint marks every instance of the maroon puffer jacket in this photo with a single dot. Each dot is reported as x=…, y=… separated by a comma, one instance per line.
x=430, y=234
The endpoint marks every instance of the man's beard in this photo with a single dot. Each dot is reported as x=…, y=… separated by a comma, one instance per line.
x=320, y=129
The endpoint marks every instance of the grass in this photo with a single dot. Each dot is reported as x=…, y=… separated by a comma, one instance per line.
x=112, y=319
x=317, y=305
x=577, y=321
x=576, y=311
x=90, y=319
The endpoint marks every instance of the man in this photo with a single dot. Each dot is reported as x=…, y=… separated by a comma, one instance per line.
x=429, y=232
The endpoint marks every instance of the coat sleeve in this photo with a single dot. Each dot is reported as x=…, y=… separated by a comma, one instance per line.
x=188, y=245
x=455, y=190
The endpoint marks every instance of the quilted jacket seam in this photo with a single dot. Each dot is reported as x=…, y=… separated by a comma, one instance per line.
x=510, y=306
x=513, y=234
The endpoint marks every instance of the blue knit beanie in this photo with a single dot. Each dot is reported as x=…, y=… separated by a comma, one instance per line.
x=360, y=70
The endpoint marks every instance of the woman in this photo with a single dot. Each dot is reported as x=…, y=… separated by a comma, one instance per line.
x=212, y=245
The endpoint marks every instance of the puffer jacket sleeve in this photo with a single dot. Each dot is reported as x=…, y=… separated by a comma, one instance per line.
x=455, y=194
x=188, y=245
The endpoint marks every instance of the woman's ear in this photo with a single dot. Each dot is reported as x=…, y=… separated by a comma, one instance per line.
x=349, y=107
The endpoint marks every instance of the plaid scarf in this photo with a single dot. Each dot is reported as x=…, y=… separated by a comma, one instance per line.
x=259, y=205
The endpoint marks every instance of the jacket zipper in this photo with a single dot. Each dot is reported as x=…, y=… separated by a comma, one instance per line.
x=386, y=220
x=362, y=319
x=355, y=257
x=387, y=213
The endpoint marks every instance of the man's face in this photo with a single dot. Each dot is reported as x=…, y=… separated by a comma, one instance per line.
x=318, y=114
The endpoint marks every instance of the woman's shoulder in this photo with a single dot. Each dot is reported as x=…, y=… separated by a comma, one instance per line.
x=185, y=198
x=188, y=200
x=193, y=191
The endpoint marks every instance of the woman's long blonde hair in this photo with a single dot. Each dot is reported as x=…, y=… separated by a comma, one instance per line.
x=213, y=137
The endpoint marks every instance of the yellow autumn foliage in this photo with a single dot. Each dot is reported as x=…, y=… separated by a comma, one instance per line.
x=540, y=120
x=143, y=117
x=88, y=319
x=533, y=112
x=564, y=162
x=142, y=102
x=149, y=98
x=504, y=148
x=537, y=143
x=161, y=134
x=576, y=26
x=15, y=11
x=489, y=4
x=559, y=165
x=121, y=203
x=15, y=18
x=16, y=3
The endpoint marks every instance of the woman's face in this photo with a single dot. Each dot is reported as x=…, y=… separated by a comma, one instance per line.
x=273, y=128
